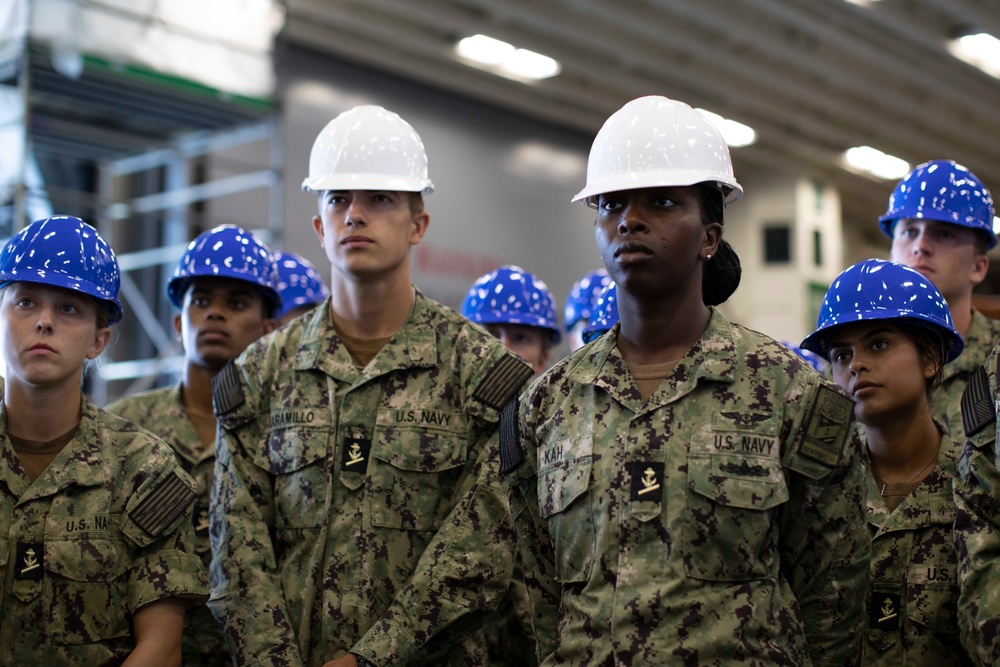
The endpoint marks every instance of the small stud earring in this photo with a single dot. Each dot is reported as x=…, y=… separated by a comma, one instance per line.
x=708, y=257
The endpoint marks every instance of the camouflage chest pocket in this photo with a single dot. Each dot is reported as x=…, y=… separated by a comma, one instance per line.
x=416, y=469
x=298, y=461
x=932, y=586
x=730, y=531
x=85, y=593
x=564, y=500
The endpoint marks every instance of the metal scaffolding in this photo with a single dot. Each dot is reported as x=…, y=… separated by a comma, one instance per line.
x=144, y=156
x=169, y=208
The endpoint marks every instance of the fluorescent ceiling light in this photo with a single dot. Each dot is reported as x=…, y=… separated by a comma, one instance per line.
x=499, y=57
x=981, y=50
x=861, y=3
x=485, y=50
x=735, y=134
x=531, y=65
x=873, y=161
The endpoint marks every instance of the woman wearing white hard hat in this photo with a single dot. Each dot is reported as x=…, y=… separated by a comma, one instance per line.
x=686, y=490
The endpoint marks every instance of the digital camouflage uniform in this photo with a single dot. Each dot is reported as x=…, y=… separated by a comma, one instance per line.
x=977, y=520
x=104, y=530
x=946, y=401
x=508, y=634
x=161, y=412
x=913, y=590
x=332, y=480
x=720, y=522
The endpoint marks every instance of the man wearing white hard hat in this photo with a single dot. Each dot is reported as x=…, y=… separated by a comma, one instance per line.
x=685, y=490
x=348, y=436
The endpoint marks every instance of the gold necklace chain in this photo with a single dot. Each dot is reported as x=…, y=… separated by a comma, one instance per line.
x=915, y=475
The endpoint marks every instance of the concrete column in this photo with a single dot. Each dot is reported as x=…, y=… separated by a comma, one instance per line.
x=780, y=295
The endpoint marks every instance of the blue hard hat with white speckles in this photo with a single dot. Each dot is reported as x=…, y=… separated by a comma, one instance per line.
x=299, y=283
x=226, y=251
x=879, y=290
x=511, y=295
x=583, y=297
x=604, y=315
x=66, y=252
x=944, y=191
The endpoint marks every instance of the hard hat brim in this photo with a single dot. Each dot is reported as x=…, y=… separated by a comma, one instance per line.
x=887, y=222
x=178, y=286
x=818, y=340
x=730, y=189
x=367, y=182
x=55, y=279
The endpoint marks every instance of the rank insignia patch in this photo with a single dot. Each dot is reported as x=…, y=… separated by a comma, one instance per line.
x=354, y=457
x=30, y=561
x=884, y=612
x=977, y=404
x=647, y=481
x=826, y=427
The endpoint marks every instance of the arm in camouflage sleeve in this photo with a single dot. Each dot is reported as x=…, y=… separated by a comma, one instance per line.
x=538, y=558
x=977, y=523
x=536, y=548
x=164, y=565
x=826, y=547
x=462, y=575
x=246, y=596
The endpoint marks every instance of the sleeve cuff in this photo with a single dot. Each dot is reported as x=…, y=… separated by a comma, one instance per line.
x=167, y=574
x=385, y=646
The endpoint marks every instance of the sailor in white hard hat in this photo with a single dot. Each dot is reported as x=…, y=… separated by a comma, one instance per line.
x=349, y=435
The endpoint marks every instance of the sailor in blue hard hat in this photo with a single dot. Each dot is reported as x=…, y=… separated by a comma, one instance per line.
x=300, y=285
x=580, y=305
x=226, y=290
x=101, y=562
x=888, y=333
x=518, y=308
x=940, y=218
x=604, y=315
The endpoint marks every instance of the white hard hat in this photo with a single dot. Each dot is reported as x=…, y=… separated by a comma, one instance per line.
x=655, y=141
x=368, y=148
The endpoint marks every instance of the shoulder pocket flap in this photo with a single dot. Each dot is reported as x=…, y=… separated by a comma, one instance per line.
x=981, y=439
x=747, y=482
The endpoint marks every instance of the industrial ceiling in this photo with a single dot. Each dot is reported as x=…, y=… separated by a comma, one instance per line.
x=812, y=77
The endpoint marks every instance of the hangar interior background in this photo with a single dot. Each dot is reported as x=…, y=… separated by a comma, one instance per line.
x=158, y=119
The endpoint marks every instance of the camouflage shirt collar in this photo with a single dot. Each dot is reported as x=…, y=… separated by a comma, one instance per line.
x=79, y=462
x=979, y=340
x=413, y=346
x=184, y=441
x=712, y=357
x=930, y=503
